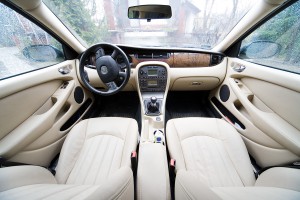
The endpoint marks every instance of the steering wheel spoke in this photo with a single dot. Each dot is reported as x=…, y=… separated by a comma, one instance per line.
x=90, y=66
x=99, y=53
x=122, y=66
x=122, y=74
x=112, y=86
x=115, y=54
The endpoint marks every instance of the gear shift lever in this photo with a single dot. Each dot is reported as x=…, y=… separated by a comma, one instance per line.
x=153, y=105
x=153, y=101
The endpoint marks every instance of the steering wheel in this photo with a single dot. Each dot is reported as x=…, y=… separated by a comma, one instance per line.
x=114, y=75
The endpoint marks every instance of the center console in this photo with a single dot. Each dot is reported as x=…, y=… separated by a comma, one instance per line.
x=152, y=79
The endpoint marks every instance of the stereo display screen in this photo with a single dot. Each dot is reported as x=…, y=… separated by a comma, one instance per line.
x=152, y=72
x=152, y=83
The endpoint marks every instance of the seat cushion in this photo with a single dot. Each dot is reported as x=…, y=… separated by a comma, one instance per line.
x=18, y=176
x=189, y=186
x=117, y=186
x=257, y=193
x=212, y=149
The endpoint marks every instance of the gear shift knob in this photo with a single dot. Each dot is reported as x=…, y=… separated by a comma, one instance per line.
x=153, y=100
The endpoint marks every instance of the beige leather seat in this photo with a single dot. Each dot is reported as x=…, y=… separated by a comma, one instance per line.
x=94, y=164
x=212, y=163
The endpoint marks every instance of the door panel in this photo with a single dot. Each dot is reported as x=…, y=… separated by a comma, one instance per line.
x=12, y=105
x=265, y=100
x=34, y=106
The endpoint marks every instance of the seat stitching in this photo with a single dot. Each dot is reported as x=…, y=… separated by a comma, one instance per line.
x=93, y=158
x=184, y=190
x=220, y=154
x=89, y=188
x=201, y=136
x=125, y=186
x=98, y=171
x=79, y=151
x=100, y=166
x=233, y=163
x=225, y=166
x=27, y=191
x=207, y=161
x=180, y=142
x=100, y=134
x=105, y=135
x=83, y=162
x=113, y=157
x=62, y=190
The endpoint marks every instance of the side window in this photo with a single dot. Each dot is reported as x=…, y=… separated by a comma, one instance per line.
x=277, y=42
x=24, y=46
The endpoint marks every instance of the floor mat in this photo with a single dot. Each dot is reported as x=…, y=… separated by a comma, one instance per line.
x=188, y=104
x=123, y=104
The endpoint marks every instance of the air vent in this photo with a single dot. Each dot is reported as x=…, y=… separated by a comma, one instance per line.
x=216, y=59
x=153, y=56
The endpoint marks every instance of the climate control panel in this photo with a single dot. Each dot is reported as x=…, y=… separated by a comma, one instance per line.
x=152, y=78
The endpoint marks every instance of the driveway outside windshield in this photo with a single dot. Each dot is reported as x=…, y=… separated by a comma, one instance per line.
x=194, y=24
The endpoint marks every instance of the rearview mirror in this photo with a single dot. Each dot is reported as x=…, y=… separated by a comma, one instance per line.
x=260, y=49
x=150, y=12
x=42, y=53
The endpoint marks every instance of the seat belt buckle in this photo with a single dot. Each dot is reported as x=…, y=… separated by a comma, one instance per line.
x=172, y=162
x=134, y=162
x=172, y=167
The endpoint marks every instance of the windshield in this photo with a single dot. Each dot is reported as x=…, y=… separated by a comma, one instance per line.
x=194, y=23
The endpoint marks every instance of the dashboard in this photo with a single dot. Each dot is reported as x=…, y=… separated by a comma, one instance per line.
x=189, y=69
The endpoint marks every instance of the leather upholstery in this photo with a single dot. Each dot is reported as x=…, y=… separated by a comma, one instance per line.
x=153, y=175
x=94, y=164
x=212, y=149
x=280, y=177
x=212, y=163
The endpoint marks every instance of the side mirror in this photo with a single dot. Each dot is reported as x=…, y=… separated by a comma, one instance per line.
x=260, y=49
x=150, y=12
x=42, y=53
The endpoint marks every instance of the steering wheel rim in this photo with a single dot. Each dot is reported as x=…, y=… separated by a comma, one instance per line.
x=106, y=67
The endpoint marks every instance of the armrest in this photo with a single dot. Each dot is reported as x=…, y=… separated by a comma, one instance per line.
x=152, y=176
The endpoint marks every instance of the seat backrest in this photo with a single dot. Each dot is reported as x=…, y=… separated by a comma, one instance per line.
x=95, y=149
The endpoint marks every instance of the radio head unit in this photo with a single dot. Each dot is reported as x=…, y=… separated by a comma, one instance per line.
x=152, y=78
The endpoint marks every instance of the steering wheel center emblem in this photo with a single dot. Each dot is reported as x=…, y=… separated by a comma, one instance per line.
x=104, y=69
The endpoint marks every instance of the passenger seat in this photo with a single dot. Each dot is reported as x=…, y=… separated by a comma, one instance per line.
x=212, y=162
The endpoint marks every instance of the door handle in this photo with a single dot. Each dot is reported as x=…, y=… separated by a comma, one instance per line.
x=239, y=68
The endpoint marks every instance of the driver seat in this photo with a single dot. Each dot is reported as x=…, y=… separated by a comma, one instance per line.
x=94, y=163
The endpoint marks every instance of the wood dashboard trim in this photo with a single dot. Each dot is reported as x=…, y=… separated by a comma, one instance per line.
x=179, y=60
